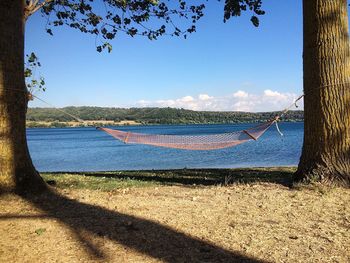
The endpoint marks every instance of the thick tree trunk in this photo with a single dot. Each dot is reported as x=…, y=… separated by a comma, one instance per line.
x=326, y=150
x=17, y=173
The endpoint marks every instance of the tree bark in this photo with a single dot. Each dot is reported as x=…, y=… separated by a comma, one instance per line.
x=326, y=150
x=17, y=173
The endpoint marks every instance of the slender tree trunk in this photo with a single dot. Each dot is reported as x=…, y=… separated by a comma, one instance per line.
x=326, y=150
x=17, y=173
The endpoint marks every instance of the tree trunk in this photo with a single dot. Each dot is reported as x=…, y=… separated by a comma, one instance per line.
x=17, y=173
x=326, y=150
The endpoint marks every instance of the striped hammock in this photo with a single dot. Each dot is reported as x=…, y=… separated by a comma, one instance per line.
x=192, y=142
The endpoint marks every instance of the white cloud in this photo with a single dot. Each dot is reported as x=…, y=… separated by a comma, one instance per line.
x=204, y=97
x=238, y=101
x=275, y=94
x=240, y=94
x=187, y=99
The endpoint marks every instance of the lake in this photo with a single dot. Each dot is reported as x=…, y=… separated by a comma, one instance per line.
x=87, y=149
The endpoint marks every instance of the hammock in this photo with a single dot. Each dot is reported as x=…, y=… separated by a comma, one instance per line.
x=192, y=142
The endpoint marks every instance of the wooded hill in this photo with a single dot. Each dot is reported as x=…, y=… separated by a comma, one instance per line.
x=153, y=115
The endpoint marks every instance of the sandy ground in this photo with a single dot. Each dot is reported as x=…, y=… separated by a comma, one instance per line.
x=241, y=223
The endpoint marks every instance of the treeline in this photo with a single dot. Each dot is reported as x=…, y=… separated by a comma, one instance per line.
x=153, y=115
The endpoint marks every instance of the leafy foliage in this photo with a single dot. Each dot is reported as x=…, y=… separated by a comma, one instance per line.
x=235, y=8
x=150, y=18
x=106, y=18
x=34, y=81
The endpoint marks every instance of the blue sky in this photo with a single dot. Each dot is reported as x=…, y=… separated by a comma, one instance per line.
x=231, y=66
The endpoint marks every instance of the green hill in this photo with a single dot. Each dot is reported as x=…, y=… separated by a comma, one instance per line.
x=152, y=115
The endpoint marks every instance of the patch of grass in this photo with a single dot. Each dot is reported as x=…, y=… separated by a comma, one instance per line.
x=107, y=181
x=81, y=181
x=40, y=231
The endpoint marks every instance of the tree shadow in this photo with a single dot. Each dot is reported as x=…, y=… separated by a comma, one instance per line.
x=161, y=242
x=205, y=177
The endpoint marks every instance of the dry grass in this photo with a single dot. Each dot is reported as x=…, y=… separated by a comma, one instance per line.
x=244, y=222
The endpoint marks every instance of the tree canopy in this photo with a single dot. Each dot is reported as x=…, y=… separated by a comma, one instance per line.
x=150, y=18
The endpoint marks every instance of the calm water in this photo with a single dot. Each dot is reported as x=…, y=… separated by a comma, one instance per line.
x=87, y=149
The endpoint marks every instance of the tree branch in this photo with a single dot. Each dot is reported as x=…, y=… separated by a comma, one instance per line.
x=32, y=7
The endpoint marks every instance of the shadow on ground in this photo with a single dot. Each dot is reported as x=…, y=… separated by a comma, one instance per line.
x=150, y=238
x=147, y=237
x=206, y=177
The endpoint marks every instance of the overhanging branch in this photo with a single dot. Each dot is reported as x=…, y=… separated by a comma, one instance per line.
x=33, y=6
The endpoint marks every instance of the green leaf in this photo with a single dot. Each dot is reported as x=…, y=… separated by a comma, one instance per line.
x=32, y=78
x=255, y=21
x=49, y=31
x=109, y=48
x=32, y=58
x=40, y=231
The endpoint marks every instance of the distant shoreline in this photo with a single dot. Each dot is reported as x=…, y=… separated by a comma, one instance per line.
x=99, y=116
x=99, y=123
x=73, y=124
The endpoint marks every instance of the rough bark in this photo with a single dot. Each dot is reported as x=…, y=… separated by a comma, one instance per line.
x=326, y=150
x=17, y=173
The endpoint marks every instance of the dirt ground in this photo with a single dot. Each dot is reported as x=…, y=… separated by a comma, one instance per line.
x=261, y=222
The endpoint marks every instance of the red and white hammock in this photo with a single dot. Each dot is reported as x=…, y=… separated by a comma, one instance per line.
x=192, y=142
